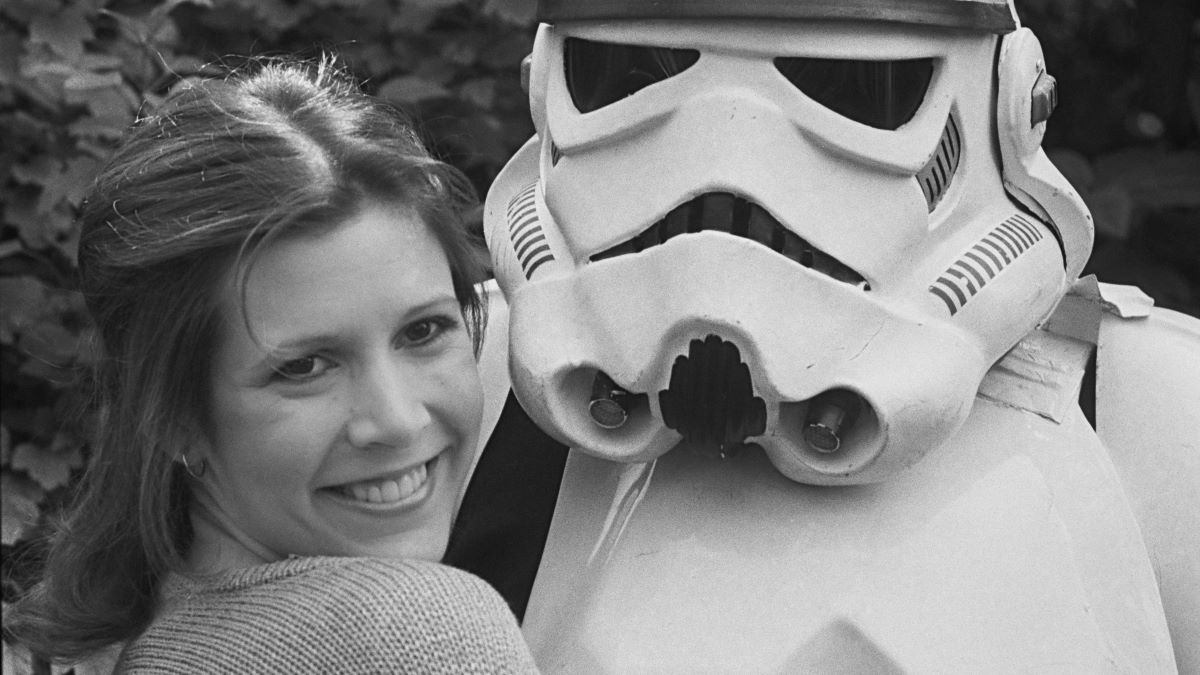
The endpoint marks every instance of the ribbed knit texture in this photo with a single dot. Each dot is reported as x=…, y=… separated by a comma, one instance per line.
x=332, y=615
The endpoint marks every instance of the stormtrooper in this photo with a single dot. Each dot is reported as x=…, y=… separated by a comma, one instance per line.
x=796, y=283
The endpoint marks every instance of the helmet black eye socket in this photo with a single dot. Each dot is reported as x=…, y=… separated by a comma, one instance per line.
x=880, y=94
x=602, y=73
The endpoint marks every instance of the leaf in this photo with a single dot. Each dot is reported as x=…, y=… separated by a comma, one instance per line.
x=520, y=12
x=370, y=59
x=68, y=184
x=5, y=445
x=30, y=421
x=411, y=18
x=57, y=226
x=42, y=75
x=28, y=129
x=100, y=62
x=22, y=304
x=275, y=15
x=411, y=89
x=38, y=170
x=57, y=377
x=113, y=105
x=433, y=4
x=20, y=209
x=36, y=63
x=169, y=5
x=67, y=444
x=506, y=53
x=50, y=342
x=481, y=92
x=64, y=31
x=436, y=69
x=459, y=53
x=19, y=499
x=50, y=469
x=83, y=81
x=1154, y=178
x=10, y=55
x=184, y=63
x=92, y=127
x=23, y=11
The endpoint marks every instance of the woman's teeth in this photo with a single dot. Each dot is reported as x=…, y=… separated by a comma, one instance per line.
x=390, y=490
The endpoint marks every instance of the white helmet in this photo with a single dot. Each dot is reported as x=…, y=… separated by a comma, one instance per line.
x=807, y=225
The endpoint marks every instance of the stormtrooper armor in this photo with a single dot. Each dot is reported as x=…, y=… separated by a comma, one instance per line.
x=788, y=276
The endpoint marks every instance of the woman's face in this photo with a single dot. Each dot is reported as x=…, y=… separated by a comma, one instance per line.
x=344, y=420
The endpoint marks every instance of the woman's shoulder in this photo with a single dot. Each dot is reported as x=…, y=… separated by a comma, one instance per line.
x=331, y=574
x=343, y=615
x=392, y=581
x=379, y=589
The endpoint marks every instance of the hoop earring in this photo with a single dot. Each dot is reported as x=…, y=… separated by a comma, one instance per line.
x=194, y=473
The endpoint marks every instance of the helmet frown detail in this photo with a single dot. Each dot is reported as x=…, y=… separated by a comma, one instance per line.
x=809, y=236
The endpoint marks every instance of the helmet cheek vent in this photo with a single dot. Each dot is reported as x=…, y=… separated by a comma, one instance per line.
x=934, y=178
x=880, y=94
x=602, y=73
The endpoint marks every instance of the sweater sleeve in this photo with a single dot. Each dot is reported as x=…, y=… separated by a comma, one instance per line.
x=352, y=616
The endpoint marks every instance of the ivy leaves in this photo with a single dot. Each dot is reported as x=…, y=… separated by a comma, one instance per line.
x=63, y=105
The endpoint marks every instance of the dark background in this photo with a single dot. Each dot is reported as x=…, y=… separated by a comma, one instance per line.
x=73, y=75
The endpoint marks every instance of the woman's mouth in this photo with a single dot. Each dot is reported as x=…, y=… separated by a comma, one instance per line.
x=387, y=491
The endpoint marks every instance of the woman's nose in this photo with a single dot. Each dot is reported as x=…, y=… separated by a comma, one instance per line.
x=389, y=409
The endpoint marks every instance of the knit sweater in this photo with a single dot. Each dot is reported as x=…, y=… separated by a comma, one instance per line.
x=331, y=615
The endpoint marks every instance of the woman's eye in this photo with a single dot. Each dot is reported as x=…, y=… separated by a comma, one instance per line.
x=304, y=368
x=426, y=330
x=420, y=331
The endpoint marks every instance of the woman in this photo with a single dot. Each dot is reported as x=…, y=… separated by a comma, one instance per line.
x=288, y=396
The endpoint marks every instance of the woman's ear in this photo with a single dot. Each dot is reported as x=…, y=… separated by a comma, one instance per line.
x=195, y=450
x=195, y=467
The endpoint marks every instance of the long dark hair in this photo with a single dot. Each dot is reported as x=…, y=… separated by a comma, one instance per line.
x=220, y=169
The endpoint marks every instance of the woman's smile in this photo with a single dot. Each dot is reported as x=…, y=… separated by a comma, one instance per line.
x=397, y=491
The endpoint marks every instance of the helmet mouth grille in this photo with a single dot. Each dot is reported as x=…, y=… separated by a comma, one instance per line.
x=737, y=216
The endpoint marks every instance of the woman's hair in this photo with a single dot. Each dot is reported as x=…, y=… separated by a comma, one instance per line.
x=219, y=170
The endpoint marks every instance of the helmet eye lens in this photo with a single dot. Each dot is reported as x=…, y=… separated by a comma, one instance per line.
x=880, y=94
x=601, y=73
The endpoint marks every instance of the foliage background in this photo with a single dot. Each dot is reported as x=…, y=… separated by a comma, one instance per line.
x=75, y=73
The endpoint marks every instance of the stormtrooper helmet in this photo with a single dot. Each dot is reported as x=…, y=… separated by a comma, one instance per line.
x=803, y=225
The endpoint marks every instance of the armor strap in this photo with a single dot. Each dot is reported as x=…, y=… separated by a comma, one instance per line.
x=992, y=16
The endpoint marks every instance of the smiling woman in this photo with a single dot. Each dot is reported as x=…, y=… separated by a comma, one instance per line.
x=288, y=396
x=346, y=404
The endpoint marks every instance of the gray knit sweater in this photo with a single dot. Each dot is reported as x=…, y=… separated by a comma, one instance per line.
x=332, y=615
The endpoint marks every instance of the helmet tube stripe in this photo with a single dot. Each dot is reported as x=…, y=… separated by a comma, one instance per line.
x=993, y=16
